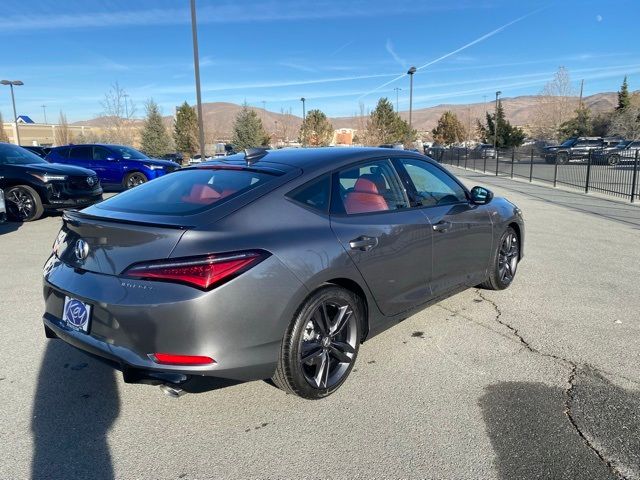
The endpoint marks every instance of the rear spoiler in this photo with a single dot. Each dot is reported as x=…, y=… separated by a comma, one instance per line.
x=73, y=216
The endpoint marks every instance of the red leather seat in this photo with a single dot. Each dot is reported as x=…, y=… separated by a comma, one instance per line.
x=201, y=194
x=365, y=196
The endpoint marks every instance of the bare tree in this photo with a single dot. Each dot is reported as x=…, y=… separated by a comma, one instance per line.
x=62, y=132
x=626, y=122
x=286, y=124
x=3, y=134
x=555, y=104
x=362, y=118
x=118, y=114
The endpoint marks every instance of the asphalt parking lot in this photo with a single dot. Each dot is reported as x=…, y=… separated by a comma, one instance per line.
x=538, y=381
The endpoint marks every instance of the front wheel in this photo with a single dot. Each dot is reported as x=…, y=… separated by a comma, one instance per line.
x=613, y=160
x=23, y=203
x=505, y=262
x=134, y=179
x=562, y=158
x=321, y=344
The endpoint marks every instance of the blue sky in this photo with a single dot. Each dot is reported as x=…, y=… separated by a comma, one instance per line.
x=335, y=53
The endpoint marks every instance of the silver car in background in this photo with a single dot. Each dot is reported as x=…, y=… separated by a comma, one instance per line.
x=272, y=264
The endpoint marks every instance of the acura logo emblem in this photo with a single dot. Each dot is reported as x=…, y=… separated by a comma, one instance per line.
x=90, y=181
x=81, y=249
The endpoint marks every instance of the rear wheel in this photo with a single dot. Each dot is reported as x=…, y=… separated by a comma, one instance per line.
x=23, y=203
x=505, y=262
x=321, y=345
x=134, y=179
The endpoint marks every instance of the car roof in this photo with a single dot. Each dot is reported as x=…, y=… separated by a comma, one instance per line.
x=322, y=158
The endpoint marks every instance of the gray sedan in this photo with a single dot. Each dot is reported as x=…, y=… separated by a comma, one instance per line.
x=272, y=264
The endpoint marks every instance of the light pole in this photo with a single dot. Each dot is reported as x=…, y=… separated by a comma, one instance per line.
x=495, y=127
x=196, y=67
x=304, y=115
x=397, y=89
x=11, y=83
x=410, y=72
x=44, y=111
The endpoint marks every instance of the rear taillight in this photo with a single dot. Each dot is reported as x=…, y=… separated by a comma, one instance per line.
x=205, y=272
x=174, y=359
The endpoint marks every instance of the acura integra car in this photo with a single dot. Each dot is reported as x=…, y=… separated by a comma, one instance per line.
x=272, y=264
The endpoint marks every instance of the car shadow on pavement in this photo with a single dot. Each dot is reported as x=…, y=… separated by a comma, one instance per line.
x=75, y=405
x=9, y=226
x=533, y=437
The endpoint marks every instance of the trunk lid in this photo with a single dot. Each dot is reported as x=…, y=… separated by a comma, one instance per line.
x=109, y=246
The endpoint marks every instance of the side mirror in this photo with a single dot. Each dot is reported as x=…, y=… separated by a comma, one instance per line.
x=481, y=195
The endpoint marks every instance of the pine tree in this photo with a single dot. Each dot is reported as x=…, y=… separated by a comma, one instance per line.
x=154, y=139
x=508, y=136
x=449, y=129
x=185, y=131
x=3, y=135
x=386, y=126
x=578, y=126
x=623, y=96
x=316, y=130
x=248, y=131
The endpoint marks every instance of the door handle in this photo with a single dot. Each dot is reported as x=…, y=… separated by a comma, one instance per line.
x=442, y=226
x=363, y=243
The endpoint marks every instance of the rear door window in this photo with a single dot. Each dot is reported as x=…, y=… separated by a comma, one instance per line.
x=187, y=192
x=81, y=153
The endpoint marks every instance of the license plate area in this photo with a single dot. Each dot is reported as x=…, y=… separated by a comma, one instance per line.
x=76, y=314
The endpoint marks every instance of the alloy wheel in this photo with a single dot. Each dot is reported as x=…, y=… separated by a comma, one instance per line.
x=508, y=257
x=136, y=179
x=20, y=204
x=328, y=344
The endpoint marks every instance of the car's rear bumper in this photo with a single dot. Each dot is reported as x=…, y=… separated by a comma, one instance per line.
x=239, y=324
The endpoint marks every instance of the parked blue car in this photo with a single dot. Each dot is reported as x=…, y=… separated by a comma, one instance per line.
x=117, y=166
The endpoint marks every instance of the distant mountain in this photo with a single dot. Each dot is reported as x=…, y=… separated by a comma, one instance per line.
x=219, y=116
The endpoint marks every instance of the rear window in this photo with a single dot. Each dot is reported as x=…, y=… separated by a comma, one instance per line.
x=186, y=192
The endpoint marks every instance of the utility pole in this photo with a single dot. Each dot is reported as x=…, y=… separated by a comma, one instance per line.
x=581, y=90
x=397, y=89
x=264, y=105
x=304, y=116
x=126, y=106
x=44, y=111
x=196, y=67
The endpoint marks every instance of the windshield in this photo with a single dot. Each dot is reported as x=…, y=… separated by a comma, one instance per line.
x=129, y=153
x=186, y=192
x=623, y=144
x=14, y=155
x=568, y=143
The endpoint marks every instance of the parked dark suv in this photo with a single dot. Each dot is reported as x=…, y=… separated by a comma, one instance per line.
x=117, y=166
x=625, y=151
x=576, y=149
x=32, y=185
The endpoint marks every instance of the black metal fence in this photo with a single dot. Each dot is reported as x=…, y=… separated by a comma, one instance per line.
x=615, y=174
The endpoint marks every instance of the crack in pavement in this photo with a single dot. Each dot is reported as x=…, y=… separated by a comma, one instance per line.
x=573, y=370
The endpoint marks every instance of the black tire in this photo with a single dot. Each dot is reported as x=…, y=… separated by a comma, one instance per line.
x=134, y=179
x=562, y=158
x=504, y=261
x=23, y=203
x=308, y=334
x=613, y=160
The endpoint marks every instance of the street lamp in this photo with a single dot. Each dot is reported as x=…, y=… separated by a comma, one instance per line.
x=11, y=83
x=397, y=89
x=44, y=111
x=410, y=72
x=304, y=115
x=196, y=67
x=495, y=127
x=126, y=106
